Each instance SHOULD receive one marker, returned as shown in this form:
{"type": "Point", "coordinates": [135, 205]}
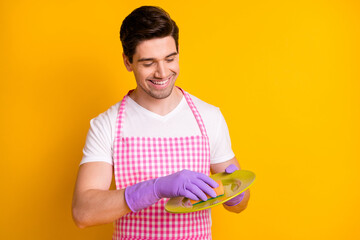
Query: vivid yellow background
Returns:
{"type": "Point", "coordinates": [284, 73]}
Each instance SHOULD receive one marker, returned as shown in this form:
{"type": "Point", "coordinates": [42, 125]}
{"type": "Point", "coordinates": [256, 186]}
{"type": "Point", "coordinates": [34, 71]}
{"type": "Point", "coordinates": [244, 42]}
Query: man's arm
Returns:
{"type": "Point", "coordinates": [220, 167]}
{"type": "Point", "coordinates": [93, 202]}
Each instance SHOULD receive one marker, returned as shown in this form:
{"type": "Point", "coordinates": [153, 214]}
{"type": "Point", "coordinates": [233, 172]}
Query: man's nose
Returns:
{"type": "Point", "coordinates": [160, 70]}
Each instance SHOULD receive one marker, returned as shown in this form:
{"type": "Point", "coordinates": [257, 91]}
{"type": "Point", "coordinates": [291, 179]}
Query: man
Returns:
{"type": "Point", "coordinates": [159, 142]}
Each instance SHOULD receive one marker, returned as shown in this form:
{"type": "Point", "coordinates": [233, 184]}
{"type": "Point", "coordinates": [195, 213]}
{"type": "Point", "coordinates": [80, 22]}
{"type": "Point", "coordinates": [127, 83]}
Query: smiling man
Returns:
{"type": "Point", "coordinates": [159, 142]}
{"type": "Point", "coordinates": [155, 65]}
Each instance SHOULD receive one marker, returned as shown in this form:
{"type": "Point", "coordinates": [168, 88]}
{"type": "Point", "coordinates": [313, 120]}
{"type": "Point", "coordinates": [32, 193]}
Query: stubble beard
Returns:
{"type": "Point", "coordinates": [159, 94]}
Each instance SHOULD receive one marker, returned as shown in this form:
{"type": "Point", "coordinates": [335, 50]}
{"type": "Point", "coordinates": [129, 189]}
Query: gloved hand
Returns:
{"type": "Point", "coordinates": [236, 200]}
{"type": "Point", "coordinates": [184, 183]}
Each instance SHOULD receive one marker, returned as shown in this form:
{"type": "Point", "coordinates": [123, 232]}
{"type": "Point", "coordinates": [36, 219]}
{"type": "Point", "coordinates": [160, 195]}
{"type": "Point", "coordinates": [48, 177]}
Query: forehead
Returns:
{"type": "Point", "coordinates": [155, 48]}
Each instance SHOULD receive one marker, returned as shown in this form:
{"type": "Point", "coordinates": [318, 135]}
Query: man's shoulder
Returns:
{"type": "Point", "coordinates": [203, 106]}
{"type": "Point", "coordinates": [109, 115]}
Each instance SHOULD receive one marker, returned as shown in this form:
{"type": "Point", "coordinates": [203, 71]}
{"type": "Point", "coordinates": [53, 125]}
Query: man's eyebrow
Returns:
{"type": "Point", "coordinates": [172, 54]}
{"type": "Point", "coordinates": [151, 59]}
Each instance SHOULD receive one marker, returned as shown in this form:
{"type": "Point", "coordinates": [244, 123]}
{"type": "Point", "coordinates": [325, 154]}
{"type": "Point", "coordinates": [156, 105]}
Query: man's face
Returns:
{"type": "Point", "coordinates": [155, 66]}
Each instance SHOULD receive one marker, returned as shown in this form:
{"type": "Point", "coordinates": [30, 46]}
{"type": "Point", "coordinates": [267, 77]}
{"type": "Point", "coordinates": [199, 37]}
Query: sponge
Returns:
{"type": "Point", "coordinates": [219, 192]}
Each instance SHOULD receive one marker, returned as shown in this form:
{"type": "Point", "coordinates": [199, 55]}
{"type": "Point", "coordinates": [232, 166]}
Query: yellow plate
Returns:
{"type": "Point", "coordinates": [234, 184]}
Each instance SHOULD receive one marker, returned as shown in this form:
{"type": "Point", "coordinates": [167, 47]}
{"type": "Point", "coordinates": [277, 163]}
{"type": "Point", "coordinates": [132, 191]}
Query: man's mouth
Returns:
{"type": "Point", "coordinates": [161, 82]}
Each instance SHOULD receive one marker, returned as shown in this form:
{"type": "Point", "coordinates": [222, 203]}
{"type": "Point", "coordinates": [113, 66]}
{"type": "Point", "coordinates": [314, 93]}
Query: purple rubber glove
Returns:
{"type": "Point", "coordinates": [236, 200]}
{"type": "Point", "coordinates": [184, 183]}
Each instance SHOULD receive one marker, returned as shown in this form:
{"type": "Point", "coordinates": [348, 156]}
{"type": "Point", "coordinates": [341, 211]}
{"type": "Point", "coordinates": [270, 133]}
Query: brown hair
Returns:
{"type": "Point", "coordinates": [144, 23]}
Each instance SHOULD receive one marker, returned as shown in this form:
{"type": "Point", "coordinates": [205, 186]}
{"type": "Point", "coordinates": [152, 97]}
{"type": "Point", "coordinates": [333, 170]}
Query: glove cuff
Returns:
{"type": "Point", "coordinates": [141, 195]}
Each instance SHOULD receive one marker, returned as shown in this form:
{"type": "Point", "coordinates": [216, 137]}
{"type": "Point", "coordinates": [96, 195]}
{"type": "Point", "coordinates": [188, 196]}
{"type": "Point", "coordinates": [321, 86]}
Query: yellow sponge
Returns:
{"type": "Point", "coordinates": [219, 191]}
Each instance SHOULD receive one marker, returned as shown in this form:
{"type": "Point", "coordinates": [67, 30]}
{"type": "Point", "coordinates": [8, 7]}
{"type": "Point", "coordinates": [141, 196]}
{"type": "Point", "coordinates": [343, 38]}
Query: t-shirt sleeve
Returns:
{"type": "Point", "coordinates": [98, 145]}
{"type": "Point", "coordinates": [221, 150]}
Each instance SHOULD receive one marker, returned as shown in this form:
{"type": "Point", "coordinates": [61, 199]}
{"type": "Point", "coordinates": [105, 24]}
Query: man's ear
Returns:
{"type": "Point", "coordinates": [127, 63]}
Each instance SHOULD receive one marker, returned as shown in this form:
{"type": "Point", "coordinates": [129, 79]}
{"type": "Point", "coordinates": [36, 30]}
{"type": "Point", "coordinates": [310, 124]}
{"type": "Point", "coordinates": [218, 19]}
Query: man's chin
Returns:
{"type": "Point", "coordinates": [162, 94]}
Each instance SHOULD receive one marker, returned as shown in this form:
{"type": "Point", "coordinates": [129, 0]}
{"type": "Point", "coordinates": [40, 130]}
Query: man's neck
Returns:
{"type": "Point", "coordinates": [158, 106]}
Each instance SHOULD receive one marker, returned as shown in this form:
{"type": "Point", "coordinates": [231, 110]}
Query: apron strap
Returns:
{"type": "Point", "coordinates": [120, 117]}
{"type": "Point", "coordinates": [195, 112]}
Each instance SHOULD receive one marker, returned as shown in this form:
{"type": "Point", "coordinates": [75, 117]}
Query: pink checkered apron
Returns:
{"type": "Point", "coordinates": [138, 159]}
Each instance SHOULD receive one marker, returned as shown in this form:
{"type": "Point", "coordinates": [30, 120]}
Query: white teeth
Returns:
{"type": "Point", "coordinates": [160, 83]}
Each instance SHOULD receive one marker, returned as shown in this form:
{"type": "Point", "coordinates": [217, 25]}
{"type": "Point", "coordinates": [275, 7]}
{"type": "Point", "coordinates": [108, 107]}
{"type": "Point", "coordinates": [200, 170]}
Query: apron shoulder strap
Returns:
{"type": "Point", "coordinates": [195, 112]}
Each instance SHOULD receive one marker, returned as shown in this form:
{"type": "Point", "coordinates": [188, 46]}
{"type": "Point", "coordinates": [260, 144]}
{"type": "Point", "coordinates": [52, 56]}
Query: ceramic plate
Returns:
{"type": "Point", "coordinates": [234, 184]}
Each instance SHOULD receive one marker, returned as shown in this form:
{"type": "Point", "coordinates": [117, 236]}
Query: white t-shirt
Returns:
{"type": "Point", "coordinates": [139, 121]}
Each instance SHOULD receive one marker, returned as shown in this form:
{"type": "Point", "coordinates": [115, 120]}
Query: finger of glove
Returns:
{"type": "Point", "coordinates": [190, 195]}
{"type": "Point", "coordinates": [204, 187]}
{"type": "Point", "coordinates": [209, 181]}
{"type": "Point", "coordinates": [196, 191]}
{"type": "Point", "coordinates": [231, 168]}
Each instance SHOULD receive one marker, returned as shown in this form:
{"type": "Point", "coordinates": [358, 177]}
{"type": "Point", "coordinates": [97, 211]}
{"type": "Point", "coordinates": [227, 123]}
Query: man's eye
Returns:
{"type": "Point", "coordinates": [147, 64]}
{"type": "Point", "coordinates": [170, 59]}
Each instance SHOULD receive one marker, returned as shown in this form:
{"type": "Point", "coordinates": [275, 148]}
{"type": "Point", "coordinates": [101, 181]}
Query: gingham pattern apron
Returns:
{"type": "Point", "coordinates": [138, 159]}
